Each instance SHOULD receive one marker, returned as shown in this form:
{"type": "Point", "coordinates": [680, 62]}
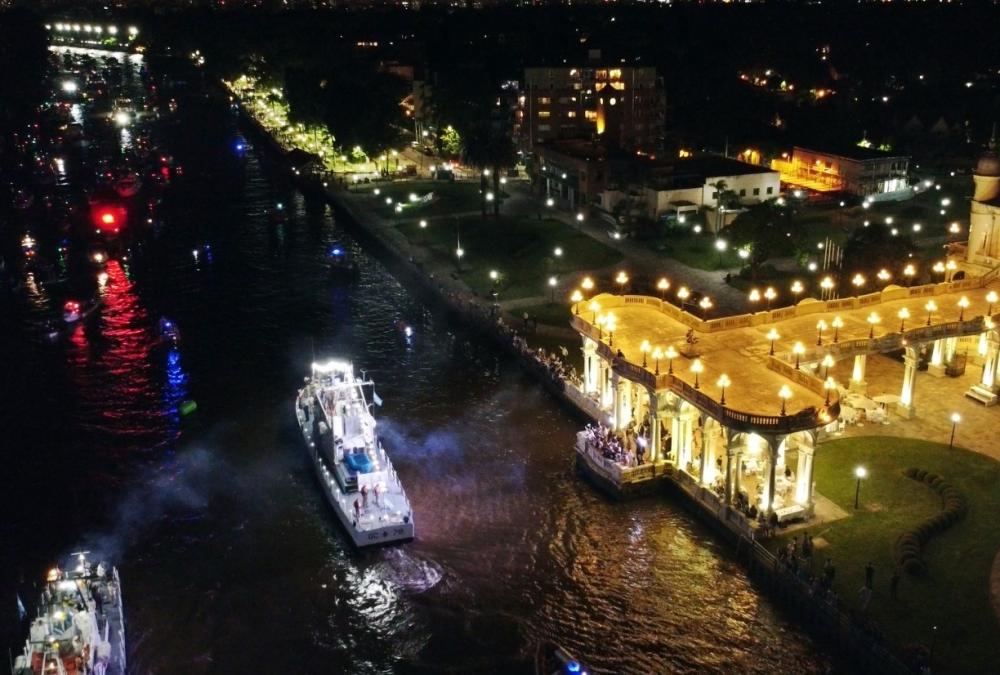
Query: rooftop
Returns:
{"type": "Point", "coordinates": [847, 151]}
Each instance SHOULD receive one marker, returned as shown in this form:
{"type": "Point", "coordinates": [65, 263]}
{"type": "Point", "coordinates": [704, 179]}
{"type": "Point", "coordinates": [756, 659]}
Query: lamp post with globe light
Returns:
{"type": "Point", "coordinates": [645, 348]}
{"type": "Point", "coordinates": [657, 355]}
{"type": "Point", "coordinates": [576, 299]}
{"type": "Point", "coordinates": [697, 368]}
{"type": "Point", "coordinates": [773, 335]}
{"type": "Point", "coordinates": [963, 302]}
{"type": "Point", "coordinates": [859, 473]}
{"type": "Point", "coordinates": [784, 394]}
{"type": "Point", "coordinates": [670, 355]}
{"type": "Point", "coordinates": [873, 320]}
{"type": "Point", "coordinates": [837, 324]}
{"type": "Point", "coordinates": [663, 285]}
{"type": "Point", "coordinates": [955, 419]}
{"type": "Point", "coordinates": [798, 349]}
{"type": "Point", "coordinates": [722, 383]}
{"type": "Point", "coordinates": [903, 315]}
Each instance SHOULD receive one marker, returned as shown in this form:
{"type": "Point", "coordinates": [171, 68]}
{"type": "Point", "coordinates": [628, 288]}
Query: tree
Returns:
{"type": "Point", "coordinates": [765, 230]}
{"type": "Point", "coordinates": [489, 146]}
{"type": "Point", "coordinates": [724, 198]}
{"type": "Point", "coordinates": [449, 142]}
{"type": "Point", "coordinates": [874, 247]}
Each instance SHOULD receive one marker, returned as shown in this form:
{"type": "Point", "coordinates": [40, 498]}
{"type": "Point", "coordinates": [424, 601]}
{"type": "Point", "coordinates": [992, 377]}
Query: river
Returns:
{"type": "Point", "coordinates": [231, 559]}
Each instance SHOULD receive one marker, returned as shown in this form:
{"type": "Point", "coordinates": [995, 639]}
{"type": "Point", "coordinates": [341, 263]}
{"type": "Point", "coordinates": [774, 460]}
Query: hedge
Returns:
{"type": "Point", "coordinates": [910, 543]}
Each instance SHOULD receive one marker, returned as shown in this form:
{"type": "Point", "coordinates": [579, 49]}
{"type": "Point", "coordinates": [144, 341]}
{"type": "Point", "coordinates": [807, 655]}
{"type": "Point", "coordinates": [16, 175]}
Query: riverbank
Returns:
{"type": "Point", "coordinates": [853, 642]}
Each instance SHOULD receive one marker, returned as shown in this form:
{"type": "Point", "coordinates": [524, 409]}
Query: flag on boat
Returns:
{"type": "Point", "coordinates": [376, 399]}
{"type": "Point", "coordinates": [21, 611]}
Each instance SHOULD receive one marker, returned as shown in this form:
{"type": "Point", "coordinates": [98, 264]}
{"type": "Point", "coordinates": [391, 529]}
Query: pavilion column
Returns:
{"type": "Point", "coordinates": [591, 366]}
{"type": "Point", "coordinates": [616, 392]}
{"type": "Point", "coordinates": [858, 383]}
{"type": "Point", "coordinates": [989, 377]}
{"type": "Point", "coordinates": [676, 440]}
{"type": "Point", "coordinates": [804, 476]}
{"type": "Point", "coordinates": [772, 461]}
{"type": "Point", "coordinates": [709, 448]}
{"type": "Point", "coordinates": [654, 428]}
{"type": "Point", "coordinates": [732, 471]}
{"type": "Point", "coordinates": [936, 367]}
{"type": "Point", "coordinates": [906, 407]}
{"type": "Point", "coordinates": [985, 391]}
{"type": "Point", "coordinates": [607, 392]}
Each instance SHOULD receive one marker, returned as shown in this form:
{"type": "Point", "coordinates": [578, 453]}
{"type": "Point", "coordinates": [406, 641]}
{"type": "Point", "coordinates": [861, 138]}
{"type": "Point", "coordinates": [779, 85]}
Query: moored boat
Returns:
{"type": "Point", "coordinates": [551, 659]}
{"type": "Point", "coordinates": [79, 628]}
{"type": "Point", "coordinates": [353, 469]}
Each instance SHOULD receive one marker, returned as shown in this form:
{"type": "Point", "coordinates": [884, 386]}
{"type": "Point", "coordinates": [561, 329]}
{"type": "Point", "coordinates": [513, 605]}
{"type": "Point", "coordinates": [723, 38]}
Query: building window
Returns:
{"type": "Point", "coordinates": [544, 114]}
{"type": "Point", "coordinates": [615, 73]}
{"type": "Point", "coordinates": [756, 191]}
{"type": "Point", "coordinates": [590, 114]}
{"type": "Point", "coordinates": [770, 190]}
{"type": "Point", "coordinates": [715, 195]}
{"type": "Point", "coordinates": [543, 127]}
{"type": "Point", "coordinates": [570, 113]}
{"type": "Point", "coordinates": [743, 193]}
{"type": "Point", "coordinates": [544, 100]}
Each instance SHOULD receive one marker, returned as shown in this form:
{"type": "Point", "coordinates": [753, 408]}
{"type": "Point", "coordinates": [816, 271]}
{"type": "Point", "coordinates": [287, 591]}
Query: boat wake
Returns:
{"type": "Point", "coordinates": [408, 571]}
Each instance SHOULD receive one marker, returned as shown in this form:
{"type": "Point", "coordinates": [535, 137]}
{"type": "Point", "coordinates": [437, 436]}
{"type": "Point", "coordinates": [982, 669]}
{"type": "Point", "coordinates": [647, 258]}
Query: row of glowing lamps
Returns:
{"type": "Point", "coordinates": [89, 28]}
{"type": "Point", "coordinates": [608, 322]}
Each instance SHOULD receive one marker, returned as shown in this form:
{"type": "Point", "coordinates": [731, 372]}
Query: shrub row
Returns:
{"type": "Point", "coordinates": [910, 543]}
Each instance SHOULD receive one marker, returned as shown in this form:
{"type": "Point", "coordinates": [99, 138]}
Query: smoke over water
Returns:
{"type": "Point", "coordinates": [182, 488]}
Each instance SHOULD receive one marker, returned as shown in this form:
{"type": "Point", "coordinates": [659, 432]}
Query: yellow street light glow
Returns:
{"type": "Point", "coordinates": [587, 284]}
{"type": "Point", "coordinates": [829, 385]}
{"type": "Point", "coordinates": [963, 302]}
{"type": "Point", "coordinates": [837, 324]}
{"type": "Point", "coordinates": [645, 348]}
{"type": "Point", "coordinates": [722, 383]}
{"type": "Point", "coordinates": [858, 280]}
{"type": "Point", "coordinates": [657, 355]}
{"type": "Point", "coordinates": [873, 320]}
{"type": "Point", "coordinates": [754, 295]}
{"type": "Point", "coordinates": [784, 394]}
{"type": "Point", "coordinates": [826, 283]}
{"type": "Point", "coordinates": [939, 267]}
{"type": "Point", "coordinates": [798, 349]}
{"type": "Point", "coordinates": [820, 327]}
{"type": "Point", "coordinates": [663, 284]}
{"type": "Point", "coordinates": [991, 298]}
{"type": "Point", "coordinates": [931, 307]}
{"type": "Point", "coordinates": [683, 293]}
{"type": "Point", "coordinates": [860, 472]}
{"type": "Point", "coordinates": [594, 307]}
{"type": "Point", "coordinates": [697, 368]}
{"type": "Point", "coordinates": [884, 275]}
{"type": "Point", "coordinates": [773, 335]}
{"type": "Point", "coordinates": [903, 315]}
{"type": "Point", "coordinates": [797, 287]}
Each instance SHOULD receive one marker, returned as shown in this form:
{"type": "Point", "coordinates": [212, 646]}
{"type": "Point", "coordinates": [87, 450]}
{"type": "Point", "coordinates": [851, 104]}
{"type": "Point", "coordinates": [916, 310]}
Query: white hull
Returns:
{"type": "Point", "coordinates": [376, 525]}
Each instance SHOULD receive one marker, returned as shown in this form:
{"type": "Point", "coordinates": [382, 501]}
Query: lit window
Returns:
{"type": "Point", "coordinates": [571, 113]}
{"type": "Point", "coordinates": [590, 114]}
{"type": "Point", "coordinates": [615, 73]}
{"type": "Point", "coordinates": [620, 86]}
{"type": "Point", "coordinates": [544, 100]}
{"type": "Point", "coordinates": [544, 114]}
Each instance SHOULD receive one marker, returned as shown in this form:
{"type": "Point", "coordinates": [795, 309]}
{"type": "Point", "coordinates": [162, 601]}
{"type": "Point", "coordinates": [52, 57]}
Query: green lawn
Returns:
{"type": "Point", "coordinates": [698, 250]}
{"type": "Point", "coordinates": [449, 197]}
{"type": "Point", "coordinates": [954, 595]}
{"type": "Point", "coordinates": [520, 249]}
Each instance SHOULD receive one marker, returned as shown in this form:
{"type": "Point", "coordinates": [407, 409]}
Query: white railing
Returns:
{"type": "Point", "coordinates": [610, 469]}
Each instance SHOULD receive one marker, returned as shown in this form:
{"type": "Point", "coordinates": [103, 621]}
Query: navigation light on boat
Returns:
{"type": "Point", "coordinates": [573, 667]}
{"type": "Point", "coordinates": [281, 206]}
{"type": "Point", "coordinates": [408, 331]}
{"type": "Point", "coordinates": [336, 251]}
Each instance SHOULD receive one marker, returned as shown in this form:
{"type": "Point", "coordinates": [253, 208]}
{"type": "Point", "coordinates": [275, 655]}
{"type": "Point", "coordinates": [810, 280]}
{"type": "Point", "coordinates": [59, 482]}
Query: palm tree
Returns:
{"type": "Point", "coordinates": [488, 146]}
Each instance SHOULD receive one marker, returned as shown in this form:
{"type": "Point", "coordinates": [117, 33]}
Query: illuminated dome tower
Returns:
{"type": "Point", "coordinates": [983, 250]}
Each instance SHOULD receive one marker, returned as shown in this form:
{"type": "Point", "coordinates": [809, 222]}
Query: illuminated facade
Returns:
{"type": "Point", "coordinates": [623, 105]}
{"type": "Point", "coordinates": [859, 171]}
{"type": "Point", "coordinates": [982, 253]}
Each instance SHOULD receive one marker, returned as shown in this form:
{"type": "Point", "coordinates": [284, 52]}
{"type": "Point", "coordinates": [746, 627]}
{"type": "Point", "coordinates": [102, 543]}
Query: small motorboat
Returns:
{"type": "Point", "coordinates": [169, 330]}
{"type": "Point", "coordinates": [551, 659]}
{"type": "Point", "coordinates": [128, 186]}
{"type": "Point", "coordinates": [73, 311]}
{"type": "Point", "coordinates": [23, 200]}
{"type": "Point", "coordinates": [342, 267]}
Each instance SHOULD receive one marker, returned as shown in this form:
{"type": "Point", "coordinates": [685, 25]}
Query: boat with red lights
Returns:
{"type": "Point", "coordinates": [357, 477]}
{"type": "Point", "coordinates": [79, 627]}
{"type": "Point", "coordinates": [74, 311]}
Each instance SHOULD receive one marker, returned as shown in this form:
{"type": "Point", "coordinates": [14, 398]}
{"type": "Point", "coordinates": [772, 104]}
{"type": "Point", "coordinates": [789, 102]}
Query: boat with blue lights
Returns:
{"type": "Point", "coordinates": [79, 627]}
{"type": "Point", "coordinates": [551, 659]}
{"type": "Point", "coordinates": [336, 419]}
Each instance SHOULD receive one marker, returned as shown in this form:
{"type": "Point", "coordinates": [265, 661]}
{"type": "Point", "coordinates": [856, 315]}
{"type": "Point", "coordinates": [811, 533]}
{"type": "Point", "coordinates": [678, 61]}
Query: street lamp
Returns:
{"type": "Point", "coordinates": [798, 349]}
{"type": "Point", "coordinates": [553, 282]}
{"type": "Point", "coordinates": [663, 286]}
{"type": "Point", "coordinates": [963, 302]}
{"type": "Point", "coordinates": [754, 296]}
{"type": "Point", "coordinates": [705, 304]}
{"type": "Point", "coordinates": [827, 363]}
{"type": "Point", "coordinates": [903, 315]}
{"type": "Point", "coordinates": [837, 324]}
{"type": "Point", "coordinates": [909, 272]}
{"type": "Point", "coordinates": [645, 348]}
{"type": "Point", "coordinates": [820, 327]}
{"type": "Point", "coordinates": [873, 320]}
{"type": "Point", "coordinates": [576, 299]}
{"type": "Point", "coordinates": [697, 369]}
{"type": "Point", "coordinates": [827, 285]}
{"type": "Point", "coordinates": [683, 293]}
{"type": "Point", "coordinates": [797, 288]}
{"type": "Point", "coordinates": [550, 202]}
{"type": "Point", "coordinates": [671, 354]}
{"type": "Point", "coordinates": [784, 394]}
{"type": "Point", "coordinates": [621, 280]}
{"type": "Point", "coordinates": [579, 217]}
{"type": "Point", "coordinates": [931, 307]}
{"type": "Point", "coordinates": [829, 385]}
{"type": "Point", "coordinates": [594, 307]}
{"type": "Point", "coordinates": [773, 335]}
{"type": "Point", "coordinates": [587, 285]}
{"type": "Point", "coordinates": [769, 295]}
{"type": "Point", "coordinates": [859, 472]}
{"type": "Point", "coordinates": [720, 246]}
{"type": "Point", "coordinates": [991, 298]}
{"type": "Point", "coordinates": [657, 355]}
{"type": "Point", "coordinates": [611, 323]}
{"type": "Point", "coordinates": [858, 281]}
{"type": "Point", "coordinates": [884, 275]}
{"type": "Point", "coordinates": [955, 419]}
{"type": "Point", "coordinates": [723, 382]}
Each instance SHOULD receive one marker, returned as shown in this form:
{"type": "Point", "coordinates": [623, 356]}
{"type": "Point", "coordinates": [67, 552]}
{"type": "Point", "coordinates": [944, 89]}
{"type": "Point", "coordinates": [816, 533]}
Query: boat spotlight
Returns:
{"type": "Point", "coordinates": [122, 118]}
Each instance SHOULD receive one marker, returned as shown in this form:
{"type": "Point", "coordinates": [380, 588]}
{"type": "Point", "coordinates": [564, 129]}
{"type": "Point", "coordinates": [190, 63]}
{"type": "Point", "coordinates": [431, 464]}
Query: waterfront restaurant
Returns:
{"type": "Point", "coordinates": [735, 408]}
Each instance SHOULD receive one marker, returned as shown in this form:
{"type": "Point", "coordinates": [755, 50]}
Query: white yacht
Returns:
{"type": "Point", "coordinates": [339, 428]}
{"type": "Point", "coordinates": [80, 626]}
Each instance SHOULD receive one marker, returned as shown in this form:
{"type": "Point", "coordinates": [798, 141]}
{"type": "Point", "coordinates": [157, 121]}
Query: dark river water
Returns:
{"type": "Point", "coordinates": [231, 559]}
